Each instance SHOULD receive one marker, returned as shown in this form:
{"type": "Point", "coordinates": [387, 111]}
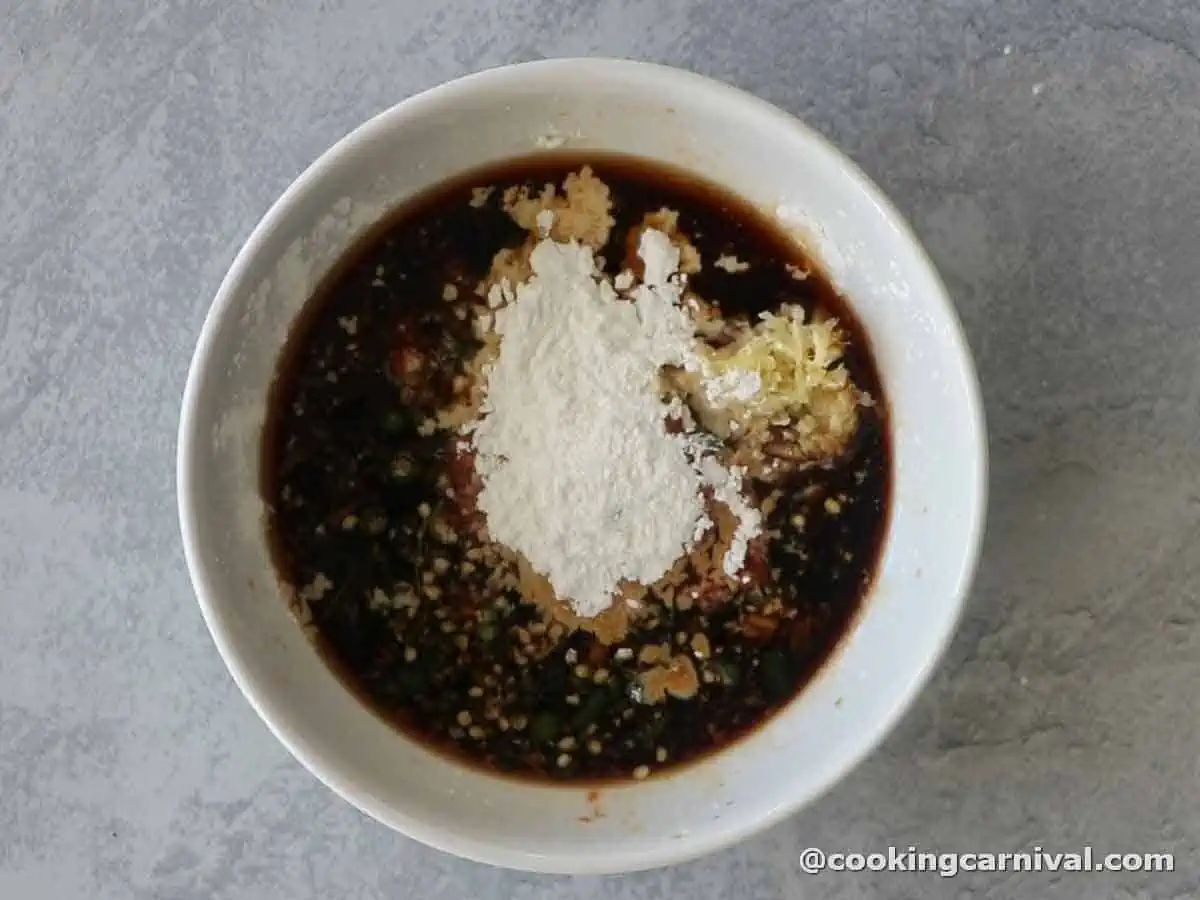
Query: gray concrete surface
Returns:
{"type": "Point", "coordinates": [1047, 152]}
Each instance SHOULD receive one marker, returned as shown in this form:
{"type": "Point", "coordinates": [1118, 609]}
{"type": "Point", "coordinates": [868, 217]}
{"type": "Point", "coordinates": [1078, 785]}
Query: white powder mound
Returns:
{"type": "Point", "coordinates": [727, 489]}
{"type": "Point", "coordinates": [579, 473]}
{"type": "Point", "coordinates": [736, 385]}
{"type": "Point", "coordinates": [659, 256]}
{"type": "Point", "coordinates": [657, 300]}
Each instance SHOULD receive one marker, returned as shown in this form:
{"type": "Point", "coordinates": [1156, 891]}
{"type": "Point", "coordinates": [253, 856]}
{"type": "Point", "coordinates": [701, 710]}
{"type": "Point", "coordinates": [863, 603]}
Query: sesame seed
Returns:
{"type": "Point", "coordinates": [349, 522]}
{"type": "Point", "coordinates": [441, 565]}
{"type": "Point", "coordinates": [567, 743]}
{"type": "Point", "coordinates": [582, 671]}
{"type": "Point", "coordinates": [624, 653]}
{"type": "Point", "coordinates": [476, 732]}
{"type": "Point", "coordinates": [661, 754]}
{"type": "Point", "coordinates": [594, 747]}
{"type": "Point", "coordinates": [641, 773]}
{"type": "Point", "coordinates": [464, 718]}
{"type": "Point", "coordinates": [571, 656]}
{"type": "Point", "coordinates": [476, 691]}
{"type": "Point", "coordinates": [461, 642]}
{"type": "Point", "coordinates": [424, 510]}
{"type": "Point", "coordinates": [832, 506]}
{"type": "Point", "coordinates": [573, 699]}
{"type": "Point", "coordinates": [564, 760]}
{"type": "Point", "coordinates": [601, 676]}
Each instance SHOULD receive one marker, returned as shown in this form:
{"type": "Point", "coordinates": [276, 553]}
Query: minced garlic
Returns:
{"type": "Point", "coordinates": [582, 212]}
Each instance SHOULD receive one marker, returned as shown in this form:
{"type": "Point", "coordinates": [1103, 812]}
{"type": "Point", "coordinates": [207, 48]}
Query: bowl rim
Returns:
{"type": "Point", "coordinates": [359, 795]}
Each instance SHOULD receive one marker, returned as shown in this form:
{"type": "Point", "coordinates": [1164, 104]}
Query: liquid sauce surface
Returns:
{"type": "Point", "coordinates": [364, 503]}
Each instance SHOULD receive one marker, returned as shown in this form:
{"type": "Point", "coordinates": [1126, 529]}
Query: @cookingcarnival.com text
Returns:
{"type": "Point", "coordinates": [814, 861]}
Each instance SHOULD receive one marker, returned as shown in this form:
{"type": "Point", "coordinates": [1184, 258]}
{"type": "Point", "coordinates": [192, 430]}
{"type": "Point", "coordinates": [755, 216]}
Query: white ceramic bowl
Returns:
{"type": "Point", "coordinates": [939, 455]}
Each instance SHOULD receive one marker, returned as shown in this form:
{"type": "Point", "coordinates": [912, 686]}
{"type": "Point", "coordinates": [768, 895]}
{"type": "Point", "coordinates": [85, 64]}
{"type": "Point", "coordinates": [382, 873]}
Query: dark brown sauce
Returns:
{"type": "Point", "coordinates": [337, 424]}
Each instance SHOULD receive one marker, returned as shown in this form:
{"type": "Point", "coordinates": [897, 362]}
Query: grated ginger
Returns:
{"type": "Point", "coordinates": [786, 369]}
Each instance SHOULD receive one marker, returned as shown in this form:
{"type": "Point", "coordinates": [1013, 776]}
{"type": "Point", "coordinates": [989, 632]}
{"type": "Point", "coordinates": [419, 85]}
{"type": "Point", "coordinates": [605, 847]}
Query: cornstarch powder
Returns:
{"type": "Point", "coordinates": [579, 473]}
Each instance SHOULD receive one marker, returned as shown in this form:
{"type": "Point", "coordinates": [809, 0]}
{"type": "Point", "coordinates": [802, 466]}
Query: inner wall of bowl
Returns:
{"type": "Point", "coordinates": [766, 158]}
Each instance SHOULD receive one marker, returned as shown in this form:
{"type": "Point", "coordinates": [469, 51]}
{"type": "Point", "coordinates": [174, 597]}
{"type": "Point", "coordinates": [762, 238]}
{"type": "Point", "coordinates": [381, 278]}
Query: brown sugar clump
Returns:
{"type": "Point", "coordinates": [677, 677]}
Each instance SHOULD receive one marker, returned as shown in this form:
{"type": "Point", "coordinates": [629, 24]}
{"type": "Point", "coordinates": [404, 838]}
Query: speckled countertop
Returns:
{"type": "Point", "coordinates": [1047, 153]}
